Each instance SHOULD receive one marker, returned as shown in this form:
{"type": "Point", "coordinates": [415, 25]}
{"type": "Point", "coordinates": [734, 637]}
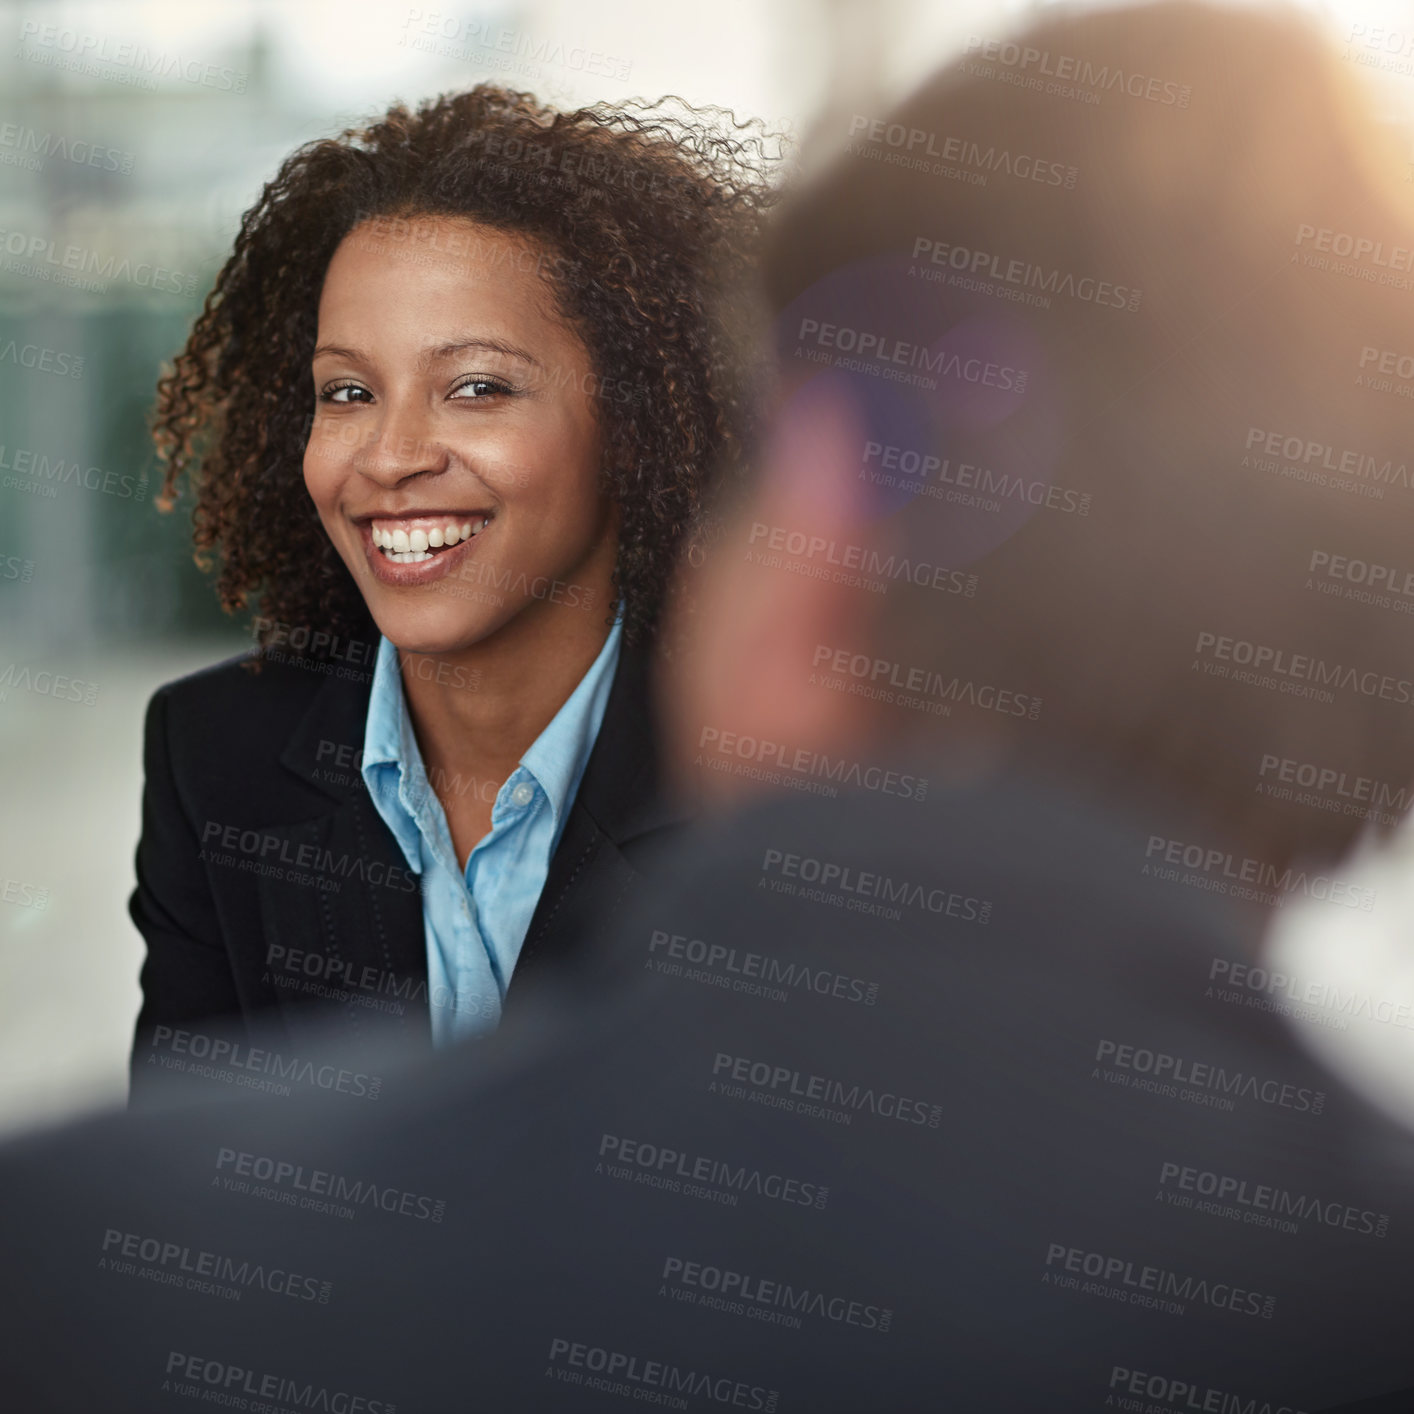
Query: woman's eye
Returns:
{"type": "Point", "coordinates": [334, 393]}
{"type": "Point", "coordinates": [475, 388]}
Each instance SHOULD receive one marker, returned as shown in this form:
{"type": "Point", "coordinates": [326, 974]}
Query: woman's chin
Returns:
{"type": "Point", "coordinates": [416, 634]}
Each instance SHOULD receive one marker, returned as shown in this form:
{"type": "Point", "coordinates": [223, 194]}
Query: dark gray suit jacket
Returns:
{"type": "Point", "coordinates": [861, 1109]}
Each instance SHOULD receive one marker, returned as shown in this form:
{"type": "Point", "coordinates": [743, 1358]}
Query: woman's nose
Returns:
{"type": "Point", "coordinates": [401, 444]}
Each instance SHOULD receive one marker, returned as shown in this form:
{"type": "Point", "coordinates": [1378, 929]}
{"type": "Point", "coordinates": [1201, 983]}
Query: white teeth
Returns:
{"type": "Point", "coordinates": [406, 547]}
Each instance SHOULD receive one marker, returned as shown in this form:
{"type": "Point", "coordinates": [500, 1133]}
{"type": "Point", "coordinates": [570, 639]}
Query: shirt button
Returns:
{"type": "Point", "coordinates": [522, 794]}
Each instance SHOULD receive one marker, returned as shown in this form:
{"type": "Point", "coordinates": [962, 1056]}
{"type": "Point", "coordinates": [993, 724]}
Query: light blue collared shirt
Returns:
{"type": "Point", "coordinates": [475, 920]}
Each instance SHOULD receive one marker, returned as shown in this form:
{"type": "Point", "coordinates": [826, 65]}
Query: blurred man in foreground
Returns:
{"type": "Point", "coordinates": [940, 1079]}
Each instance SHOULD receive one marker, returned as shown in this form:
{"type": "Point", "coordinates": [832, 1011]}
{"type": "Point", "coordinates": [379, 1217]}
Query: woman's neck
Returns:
{"type": "Point", "coordinates": [477, 711]}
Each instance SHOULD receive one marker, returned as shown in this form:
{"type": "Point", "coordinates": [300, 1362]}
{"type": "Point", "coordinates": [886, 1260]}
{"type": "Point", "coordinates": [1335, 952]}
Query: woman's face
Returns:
{"type": "Point", "coordinates": [454, 455]}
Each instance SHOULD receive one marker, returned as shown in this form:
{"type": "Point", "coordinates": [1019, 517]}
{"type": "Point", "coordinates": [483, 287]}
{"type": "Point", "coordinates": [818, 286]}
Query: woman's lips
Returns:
{"type": "Point", "coordinates": [412, 550]}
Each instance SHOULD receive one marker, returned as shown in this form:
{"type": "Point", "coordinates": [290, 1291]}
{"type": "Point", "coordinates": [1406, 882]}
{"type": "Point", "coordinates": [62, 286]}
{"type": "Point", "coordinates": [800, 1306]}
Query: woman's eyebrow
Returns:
{"type": "Point", "coordinates": [461, 345]}
{"type": "Point", "coordinates": [435, 355]}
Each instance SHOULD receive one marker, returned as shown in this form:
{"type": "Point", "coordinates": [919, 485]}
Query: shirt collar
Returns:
{"type": "Point", "coordinates": [392, 763]}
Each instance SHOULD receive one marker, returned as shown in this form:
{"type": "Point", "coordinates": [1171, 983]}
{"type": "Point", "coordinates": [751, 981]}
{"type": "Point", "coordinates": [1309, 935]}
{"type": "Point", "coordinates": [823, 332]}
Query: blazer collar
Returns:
{"type": "Point", "coordinates": [624, 785]}
{"type": "Point", "coordinates": [324, 749]}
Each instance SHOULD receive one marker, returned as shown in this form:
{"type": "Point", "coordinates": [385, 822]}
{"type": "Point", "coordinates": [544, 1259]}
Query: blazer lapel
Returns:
{"type": "Point", "coordinates": [341, 912]}
{"type": "Point", "coordinates": [621, 804]}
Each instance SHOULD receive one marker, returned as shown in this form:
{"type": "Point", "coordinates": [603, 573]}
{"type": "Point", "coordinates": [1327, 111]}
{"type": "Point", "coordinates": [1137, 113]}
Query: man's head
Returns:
{"type": "Point", "coordinates": [1084, 446]}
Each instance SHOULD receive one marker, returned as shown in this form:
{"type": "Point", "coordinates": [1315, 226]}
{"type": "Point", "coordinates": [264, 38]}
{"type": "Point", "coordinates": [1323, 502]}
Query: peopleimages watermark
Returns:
{"type": "Point", "coordinates": [348, 763]}
{"type": "Point", "coordinates": [613, 1372]}
{"type": "Point", "coordinates": [219, 1058]}
{"type": "Point", "coordinates": [920, 689]}
{"type": "Point", "coordinates": [1038, 282]}
{"type": "Point", "coordinates": [1397, 42]}
{"type": "Point", "coordinates": [863, 890]}
{"type": "Point", "coordinates": [219, 1382]}
{"type": "Point", "coordinates": [327, 652]}
{"type": "Point", "coordinates": [326, 437]}
{"type": "Point", "coordinates": [441, 33]}
{"type": "Point", "coordinates": [1361, 581]}
{"type": "Point", "coordinates": [875, 352]}
{"type": "Point", "coordinates": [1328, 788]}
{"type": "Point", "coordinates": [701, 1176]}
{"type": "Point", "coordinates": [1155, 1287]}
{"type": "Point", "coordinates": [942, 479]}
{"type": "Point", "coordinates": [22, 894]}
{"type": "Point", "coordinates": [782, 1087]}
{"type": "Point", "coordinates": [379, 989]}
{"type": "Point", "coordinates": [918, 150]}
{"type": "Point", "coordinates": [1223, 872]}
{"type": "Point", "coordinates": [1270, 989]}
{"type": "Point", "coordinates": [1261, 1204]}
{"type": "Point", "coordinates": [39, 257]}
{"type": "Point", "coordinates": [801, 768]}
{"type": "Point", "coordinates": [1343, 243]}
{"type": "Point", "coordinates": [1183, 1394]}
{"type": "Point", "coordinates": [305, 863]}
{"type": "Point", "coordinates": [1257, 1001]}
{"type": "Point", "coordinates": [41, 359]}
{"type": "Point", "coordinates": [752, 972]}
{"type": "Point", "coordinates": [775, 1302]}
{"type": "Point", "coordinates": [875, 571]}
{"type": "Point", "coordinates": [1300, 674]}
{"type": "Point", "coordinates": [14, 567]}
{"type": "Point", "coordinates": [59, 687]}
{"type": "Point", "coordinates": [1359, 257]}
{"type": "Point", "coordinates": [321, 643]}
{"type": "Point", "coordinates": [58, 46]}
{"type": "Point", "coordinates": [175, 1264]}
{"type": "Point", "coordinates": [23, 146]}
{"type": "Point", "coordinates": [1067, 75]}
{"type": "Point", "coordinates": [318, 1190]}
{"type": "Point", "coordinates": [1322, 456]}
{"type": "Point", "coordinates": [1311, 463]}
{"type": "Point", "coordinates": [481, 582]}
{"type": "Point", "coordinates": [43, 474]}
{"type": "Point", "coordinates": [1388, 365]}
{"type": "Point", "coordinates": [1214, 1084]}
{"type": "Point", "coordinates": [320, 650]}
{"type": "Point", "coordinates": [438, 237]}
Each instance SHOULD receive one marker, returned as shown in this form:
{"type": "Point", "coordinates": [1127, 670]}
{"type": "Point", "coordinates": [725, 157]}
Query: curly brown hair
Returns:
{"type": "Point", "coordinates": [650, 214]}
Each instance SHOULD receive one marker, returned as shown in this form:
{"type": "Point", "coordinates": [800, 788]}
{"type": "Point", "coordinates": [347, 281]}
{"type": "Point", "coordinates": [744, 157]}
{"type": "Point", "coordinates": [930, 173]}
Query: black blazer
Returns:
{"type": "Point", "coordinates": [270, 891]}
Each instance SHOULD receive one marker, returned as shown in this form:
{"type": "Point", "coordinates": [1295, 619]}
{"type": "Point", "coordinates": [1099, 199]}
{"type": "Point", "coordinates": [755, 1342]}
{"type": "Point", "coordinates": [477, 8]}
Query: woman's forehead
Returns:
{"type": "Point", "coordinates": [486, 284]}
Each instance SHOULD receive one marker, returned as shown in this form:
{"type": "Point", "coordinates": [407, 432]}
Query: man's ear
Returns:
{"type": "Point", "coordinates": [774, 604]}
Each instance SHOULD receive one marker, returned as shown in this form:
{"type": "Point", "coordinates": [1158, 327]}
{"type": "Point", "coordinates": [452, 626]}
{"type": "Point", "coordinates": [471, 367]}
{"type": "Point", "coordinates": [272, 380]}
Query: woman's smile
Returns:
{"type": "Point", "coordinates": [415, 549]}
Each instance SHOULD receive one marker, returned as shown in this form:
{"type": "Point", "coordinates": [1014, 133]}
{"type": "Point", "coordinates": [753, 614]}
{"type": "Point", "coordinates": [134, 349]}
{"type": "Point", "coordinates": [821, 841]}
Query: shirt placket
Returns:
{"type": "Point", "coordinates": [465, 1000]}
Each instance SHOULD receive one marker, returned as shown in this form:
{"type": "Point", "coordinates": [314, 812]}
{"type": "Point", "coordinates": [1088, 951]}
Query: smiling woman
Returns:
{"type": "Point", "coordinates": [445, 447]}
{"type": "Point", "coordinates": [450, 414]}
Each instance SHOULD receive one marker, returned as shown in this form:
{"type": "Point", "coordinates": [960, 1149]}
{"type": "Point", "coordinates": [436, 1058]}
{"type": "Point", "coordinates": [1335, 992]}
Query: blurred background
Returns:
{"type": "Point", "coordinates": [137, 134]}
